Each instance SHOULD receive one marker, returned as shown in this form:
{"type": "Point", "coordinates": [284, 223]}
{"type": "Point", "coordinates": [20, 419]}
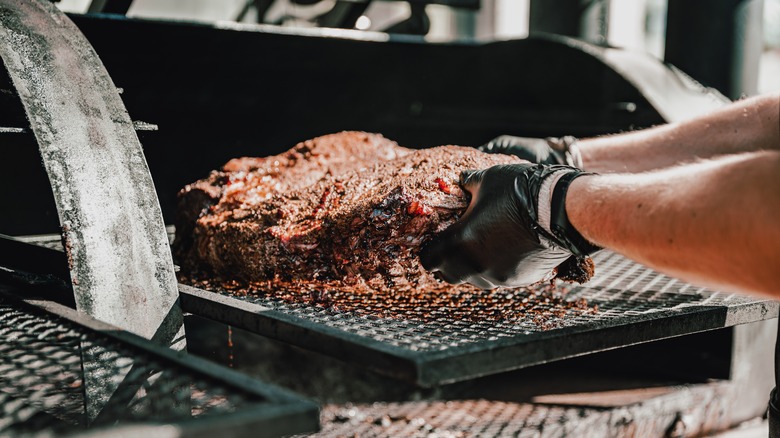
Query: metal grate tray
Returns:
{"type": "Point", "coordinates": [635, 305]}
{"type": "Point", "coordinates": [64, 373]}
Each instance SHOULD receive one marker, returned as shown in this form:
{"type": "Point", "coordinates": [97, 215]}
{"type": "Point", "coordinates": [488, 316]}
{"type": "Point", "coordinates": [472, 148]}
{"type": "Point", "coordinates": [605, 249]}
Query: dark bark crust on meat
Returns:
{"type": "Point", "coordinates": [576, 269]}
{"type": "Point", "coordinates": [251, 180]}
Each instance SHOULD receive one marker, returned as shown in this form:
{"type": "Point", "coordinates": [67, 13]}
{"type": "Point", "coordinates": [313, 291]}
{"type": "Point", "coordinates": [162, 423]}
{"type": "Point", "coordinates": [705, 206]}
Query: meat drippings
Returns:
{"type": "Point", "coordinates": [545, 305]}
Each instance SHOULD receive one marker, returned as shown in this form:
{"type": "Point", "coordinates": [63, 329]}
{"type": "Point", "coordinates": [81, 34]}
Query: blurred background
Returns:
{"type": "Point", "coordinates": [636, 25]}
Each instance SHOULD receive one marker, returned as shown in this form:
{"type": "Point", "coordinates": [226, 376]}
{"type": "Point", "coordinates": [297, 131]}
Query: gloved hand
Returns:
{"type": "Point", "coordinates": [515, 231]}
{"type": "Point", "coordinates": [550, 150]}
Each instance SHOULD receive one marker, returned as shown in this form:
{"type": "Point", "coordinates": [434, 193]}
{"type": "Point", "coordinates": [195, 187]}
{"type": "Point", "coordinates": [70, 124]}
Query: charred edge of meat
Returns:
{"type": "Point", "coordinates": [576, 269]}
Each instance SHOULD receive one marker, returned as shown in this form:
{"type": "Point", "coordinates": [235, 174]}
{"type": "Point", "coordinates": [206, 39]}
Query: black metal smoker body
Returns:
{"type": "Point", "coordinates": [221, 91]}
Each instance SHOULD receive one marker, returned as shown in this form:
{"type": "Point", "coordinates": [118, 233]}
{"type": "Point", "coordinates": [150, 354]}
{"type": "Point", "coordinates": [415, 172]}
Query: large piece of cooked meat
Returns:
{"type": "Point", "coordinates": [249, 181]}
{"type": "Point", "coordinates": [350, 207]}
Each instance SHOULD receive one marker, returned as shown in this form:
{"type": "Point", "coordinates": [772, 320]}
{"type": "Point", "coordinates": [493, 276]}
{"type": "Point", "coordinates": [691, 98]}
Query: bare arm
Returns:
{"type": "Point", "coordinates": [715, 223]}
{"type": "Point", "coordinates": [744, 126]}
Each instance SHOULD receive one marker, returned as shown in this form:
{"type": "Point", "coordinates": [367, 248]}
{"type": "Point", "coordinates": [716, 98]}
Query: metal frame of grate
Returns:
{"type": "Point", "coordinates": [635, 305]}
{"type": "Point", "coordinates": [62, 372]}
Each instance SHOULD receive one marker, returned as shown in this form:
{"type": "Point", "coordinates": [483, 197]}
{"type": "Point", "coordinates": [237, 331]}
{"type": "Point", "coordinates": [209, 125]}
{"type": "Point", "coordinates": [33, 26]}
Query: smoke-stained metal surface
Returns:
{"type": "Point", "coordinates": [118, 254]}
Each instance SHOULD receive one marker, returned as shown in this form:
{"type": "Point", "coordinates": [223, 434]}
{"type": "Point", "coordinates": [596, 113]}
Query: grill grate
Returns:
{"type": "Point", "coordinates": [461, 418]}
{"type": "Point", "coordinates": [635, 304]}
{"type": "Point", "coordinates": [705, 413]}
{"type": "Point", "coordinates": [51, 368]}
{"type": "Point", "coordinates": [622, 290]}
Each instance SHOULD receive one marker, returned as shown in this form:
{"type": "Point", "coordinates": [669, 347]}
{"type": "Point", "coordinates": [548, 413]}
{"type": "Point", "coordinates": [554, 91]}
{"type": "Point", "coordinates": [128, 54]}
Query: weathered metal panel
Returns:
{"type": "Point", "coordinates": [120, 262]}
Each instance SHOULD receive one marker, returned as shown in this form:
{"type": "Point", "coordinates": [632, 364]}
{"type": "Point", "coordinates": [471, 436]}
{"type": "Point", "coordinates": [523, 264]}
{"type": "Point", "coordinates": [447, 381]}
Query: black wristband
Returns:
{"type": "Point", "coordinates": [560, 226]}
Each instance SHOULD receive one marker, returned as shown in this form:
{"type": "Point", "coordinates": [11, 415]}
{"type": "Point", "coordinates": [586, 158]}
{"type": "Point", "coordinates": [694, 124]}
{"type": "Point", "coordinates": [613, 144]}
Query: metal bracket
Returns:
{"type": "Point", "coordinates": [118, 254]}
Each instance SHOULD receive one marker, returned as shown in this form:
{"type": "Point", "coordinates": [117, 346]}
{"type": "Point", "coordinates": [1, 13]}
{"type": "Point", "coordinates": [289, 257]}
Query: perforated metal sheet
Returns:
{"type": "Point", "coordinates": [51, 368]}
{"type": "Point", "coordinates": [634, 305]}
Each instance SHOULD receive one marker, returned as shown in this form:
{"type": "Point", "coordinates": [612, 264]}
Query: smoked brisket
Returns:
{"type": "Point", "coordinates": [353, 208]}
{"type": "Point", "coordinates": [250, 181]}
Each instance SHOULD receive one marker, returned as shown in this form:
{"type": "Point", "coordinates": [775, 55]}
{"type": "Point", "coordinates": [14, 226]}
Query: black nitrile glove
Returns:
{"type": "Point", "coordinates": [550, 150]}
{"type": "Point", "coordinates": [510, 235]}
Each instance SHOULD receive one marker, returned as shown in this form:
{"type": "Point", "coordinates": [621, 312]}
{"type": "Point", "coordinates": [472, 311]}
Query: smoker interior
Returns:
{"type": "Point", "coordinates": [54, 362]}
{"type": "Point", "coordinates": [213, 100]}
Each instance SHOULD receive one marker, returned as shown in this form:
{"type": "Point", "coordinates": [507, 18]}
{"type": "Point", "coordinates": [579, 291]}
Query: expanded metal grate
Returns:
{"type": "Point", "coordinates": [431, 344]}
{"type": "Point", "coordinates": [459, 418]}
{"type": "Point", "coordinates": [622, 291]}
{"type": "Point", "coordinates": [479, 417]}
{"type": "Point", "coordinates": [58, 376]}
{"type": "Point", "coordinates": [632, 303]}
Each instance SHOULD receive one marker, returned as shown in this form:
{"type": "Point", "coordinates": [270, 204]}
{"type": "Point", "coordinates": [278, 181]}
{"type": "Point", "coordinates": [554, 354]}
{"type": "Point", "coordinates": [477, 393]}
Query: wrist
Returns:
{"type": "Point", "coordinates": [552, 215]}
{"type": "Point", "coordinates": [544, 200]}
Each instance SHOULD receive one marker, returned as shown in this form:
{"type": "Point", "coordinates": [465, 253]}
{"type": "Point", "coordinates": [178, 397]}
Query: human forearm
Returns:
{"type": "Point", "coordinates": [712, 223]}
{"type": "Point", "coordinates": [744, 126]}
